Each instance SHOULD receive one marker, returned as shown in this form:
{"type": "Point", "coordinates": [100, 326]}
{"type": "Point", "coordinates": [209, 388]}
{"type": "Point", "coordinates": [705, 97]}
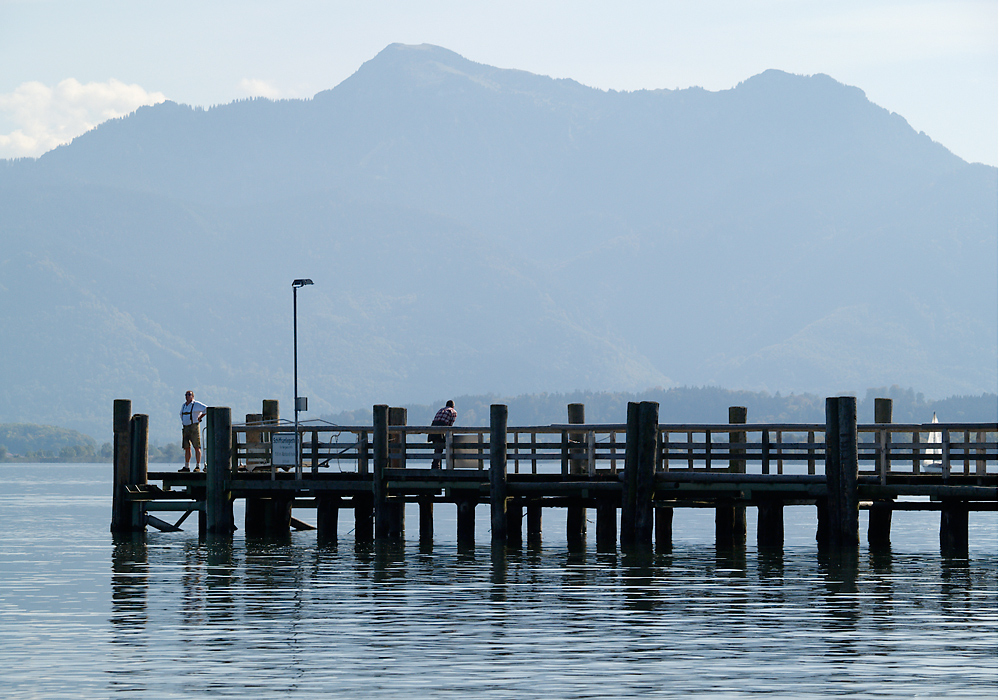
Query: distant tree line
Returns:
{"type": "Point", "coordinates": [26, 442]}
{"type": "Point", "coordinates": [693, 405]}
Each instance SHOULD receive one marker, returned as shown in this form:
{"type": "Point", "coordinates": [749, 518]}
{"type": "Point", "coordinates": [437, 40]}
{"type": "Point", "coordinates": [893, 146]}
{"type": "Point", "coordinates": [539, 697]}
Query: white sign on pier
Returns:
{"type": "Point", "coordinates": [283, 449]}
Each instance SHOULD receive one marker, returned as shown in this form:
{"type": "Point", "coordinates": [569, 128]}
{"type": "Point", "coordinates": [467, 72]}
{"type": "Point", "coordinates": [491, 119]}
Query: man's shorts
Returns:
{"type": "Point", "coordinates": [191, 435]}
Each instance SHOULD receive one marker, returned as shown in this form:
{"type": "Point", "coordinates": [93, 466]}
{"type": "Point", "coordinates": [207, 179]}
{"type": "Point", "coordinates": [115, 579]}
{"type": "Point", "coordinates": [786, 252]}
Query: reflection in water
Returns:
{"type": "Point", "coordinates": [129, 605]}
{"type": "Point", "coordinates": [164, 615]}
{"type": "Point", "coordinates": [390, 618]}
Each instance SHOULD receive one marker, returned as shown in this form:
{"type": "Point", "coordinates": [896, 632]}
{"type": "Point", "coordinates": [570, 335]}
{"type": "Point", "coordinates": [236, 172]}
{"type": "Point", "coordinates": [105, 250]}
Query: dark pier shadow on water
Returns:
{"type": "Point", "coordinates": [637, 569]}
{"type": "Point", "coordinates": [129, 587]}
{"type": "Point", "coordinates": [129, 617]}
{"type": "Point", "coordinates": [731, 561]}
{"type": "Point", "coordinates": [220, 576]}
{"type": "Point", "coordinates": [389, 561]}
{"type": "Point", "coordinates": [838, 569]}
{"type": "Point", "coordinates": [771, 563]}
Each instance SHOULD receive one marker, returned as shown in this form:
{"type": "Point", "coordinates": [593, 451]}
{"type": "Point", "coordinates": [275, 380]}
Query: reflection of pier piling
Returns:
{"type": "Point", "coordinates": [633, 474]}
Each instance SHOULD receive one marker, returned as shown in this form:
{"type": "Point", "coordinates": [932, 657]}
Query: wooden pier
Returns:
{"type": "Point", "coordinates": [633, 474]}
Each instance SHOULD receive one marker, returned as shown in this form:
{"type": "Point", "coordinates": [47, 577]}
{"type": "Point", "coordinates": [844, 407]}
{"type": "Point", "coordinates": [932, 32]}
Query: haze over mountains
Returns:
{"type": "Point", "coordinates": [471, 230]}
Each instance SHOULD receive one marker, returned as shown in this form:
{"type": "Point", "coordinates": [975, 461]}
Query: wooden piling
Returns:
{"type": "Point", "coordinates": [138, 465]}
{"type": "Point", "coordinates": [327, 515]}
{"type": "Point", "coordinates": [380, 462]}
{"type": "Point", "coordinates": [364, 518]}
{"type": "Point", "coordinates": [880, 513]}
{"type": "Point", "coordinates": [218, 463]}
{"type": "Point", "coordinates": [498, 474]}
{"type": "Point", "coordinates": [664, 524]}
{"type": "Point", "coordinates": [466, 521]}
{"type": "Point", "coordinates": [607, 524]}
{"type": "Point", "coordinates": [533, 514]}
{"type": "Point", "coordinates": [731, 518]}
{"type": "Point", "coordinates": [630, 484]}
{"type": "Point", "coordinates": [838, 517]}
{"type": "Point", "coordinates": [397, 511]}
{"type": "Point", "coordinates": [576, 515]}
{"type": "Point", "coordinates": [426, 520]}
{"type": "Point", "coordinates": [955, 529]}
{"type": "Point", "coordinates": [261, 515]}
{"type": "Point", "coordinates": [121, 507]}
{"type": "Point", "coordinates": [770, 523]}
{"type": "Point", "coordinates": [515, 514]}
{"type": "Point", "coordinates": [649, 412]}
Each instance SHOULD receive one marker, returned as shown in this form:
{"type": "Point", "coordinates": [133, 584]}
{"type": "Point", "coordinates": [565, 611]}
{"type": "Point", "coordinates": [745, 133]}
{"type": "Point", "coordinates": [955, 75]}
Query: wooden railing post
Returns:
{"type": "Point", "coordinates": [498, 473]}
{"type": "Point", "coordinates": [121, 507]}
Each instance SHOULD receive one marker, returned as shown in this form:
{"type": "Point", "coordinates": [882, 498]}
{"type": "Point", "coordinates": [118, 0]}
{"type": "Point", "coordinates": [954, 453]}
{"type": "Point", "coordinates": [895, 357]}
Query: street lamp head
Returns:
{"type": "Point", "coordinates": [301, 283]}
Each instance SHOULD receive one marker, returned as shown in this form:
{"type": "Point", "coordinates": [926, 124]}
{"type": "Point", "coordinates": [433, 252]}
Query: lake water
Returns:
{"type": "Point", "coordinates": [166, 616]}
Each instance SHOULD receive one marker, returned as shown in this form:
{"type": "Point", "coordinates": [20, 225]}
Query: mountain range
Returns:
{"type": "Point", "coordinates": [476, 230]}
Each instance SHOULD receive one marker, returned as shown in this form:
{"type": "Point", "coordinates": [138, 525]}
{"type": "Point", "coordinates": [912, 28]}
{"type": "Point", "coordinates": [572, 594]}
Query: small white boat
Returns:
{"type": "Point", "coordinates": [932, 466]}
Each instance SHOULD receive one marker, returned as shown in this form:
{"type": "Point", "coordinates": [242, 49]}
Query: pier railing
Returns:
{"type": "Point", "coordinates": [884, 450]}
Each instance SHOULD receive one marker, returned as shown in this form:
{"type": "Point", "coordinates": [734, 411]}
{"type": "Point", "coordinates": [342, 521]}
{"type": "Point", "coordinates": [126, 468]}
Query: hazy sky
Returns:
{"type": "Point", "coordinates": [67, 65]}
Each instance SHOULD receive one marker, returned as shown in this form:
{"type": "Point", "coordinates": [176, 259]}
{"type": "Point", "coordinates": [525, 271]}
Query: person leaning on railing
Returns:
{"type": "Point", "coordinates": [445, 417]}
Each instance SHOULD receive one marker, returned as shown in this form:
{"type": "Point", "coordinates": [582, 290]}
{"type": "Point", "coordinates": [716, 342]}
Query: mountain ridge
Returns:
{"type": "Point", "coordinates": [475, 229]}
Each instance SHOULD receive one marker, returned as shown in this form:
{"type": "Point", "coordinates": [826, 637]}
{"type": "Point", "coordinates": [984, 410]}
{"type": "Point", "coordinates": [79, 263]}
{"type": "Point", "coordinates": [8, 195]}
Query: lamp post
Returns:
{"type": "Point", "coordinates": [295, 354]}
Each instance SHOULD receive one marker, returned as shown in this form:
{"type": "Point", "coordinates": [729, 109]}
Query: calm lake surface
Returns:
{"type": "Point", "coordinates": [83, 615]}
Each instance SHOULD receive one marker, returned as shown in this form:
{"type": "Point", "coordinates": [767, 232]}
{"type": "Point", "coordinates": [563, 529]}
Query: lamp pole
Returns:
{"type": "Point", "coordinates": [296, 284]}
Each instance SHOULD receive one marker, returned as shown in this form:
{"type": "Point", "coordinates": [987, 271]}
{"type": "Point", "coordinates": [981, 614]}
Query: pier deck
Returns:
{"type": "Point", "coordinates": [639, 470]}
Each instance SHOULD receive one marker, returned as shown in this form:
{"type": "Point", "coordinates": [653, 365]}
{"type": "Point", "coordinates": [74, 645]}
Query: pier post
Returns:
{"type": "Point", "coordinates": [515, 514]}
{"type": "Point", "coordinates": [533, 514]}
{"type": "Point", "coordinates": [426, 520]}
{"type": "Point", "coordinates": [607, 524]}
{"type": "Point", "coordinates": [880, 513]}
{"type": "Point", "coordinates": [397, 508]}
{"type": "Point", "coordinates": [218, 462]}
{"type": "Point", "coordinates": [380, 462]}
{"type": "Point", "coordinates": [364, 503]}
{"type": "Point", "coordinates": [649, 412]}
{"type": "Point", "coordinates": [138, 464]}
{"type": "Point", "coordinates": [664, 524]}
{"type": "Point", "coordinates": [955, 529]}
{"type": "Point", "coordinates": [576, 515]}
{"type": "Point", "coordinates": [121, 507]}
{"type": "Point", "coordinates": [364, 518]}
{"type": "Point", "coordinates": [498, 473]}
{"type": "Point", "coordinates": [258, 520]}
{"type": "Point", "coordinates": [730, 518]}
{"type": "Point", "coordinates": [466, 521]}
{"type": "Point", "coordinates": [327, 515]}
{"type": "Point", "coordinates": [770, 523]}
{"type": "Point", "coordinates": [838, 512]}
{"type": "Point", "coordinates": [629, 486]}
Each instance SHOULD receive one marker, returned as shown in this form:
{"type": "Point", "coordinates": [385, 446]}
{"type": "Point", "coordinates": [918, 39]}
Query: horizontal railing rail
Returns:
{"type": "Point", "coordinates": [884, 450]}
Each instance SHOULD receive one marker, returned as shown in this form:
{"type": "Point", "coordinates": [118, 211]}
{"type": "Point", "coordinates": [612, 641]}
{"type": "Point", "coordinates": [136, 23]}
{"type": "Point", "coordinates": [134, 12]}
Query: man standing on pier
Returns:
{"type": "Point", "coordinates": [444, 417]}
{"type": "Point", "coordinates": [191, 414]}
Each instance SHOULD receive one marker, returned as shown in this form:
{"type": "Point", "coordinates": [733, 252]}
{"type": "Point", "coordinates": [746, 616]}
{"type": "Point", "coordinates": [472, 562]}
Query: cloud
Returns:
{"type": "Point", "coordinates": [252, 87]}
{"type": "Point", "coordinates": [44, 117]}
